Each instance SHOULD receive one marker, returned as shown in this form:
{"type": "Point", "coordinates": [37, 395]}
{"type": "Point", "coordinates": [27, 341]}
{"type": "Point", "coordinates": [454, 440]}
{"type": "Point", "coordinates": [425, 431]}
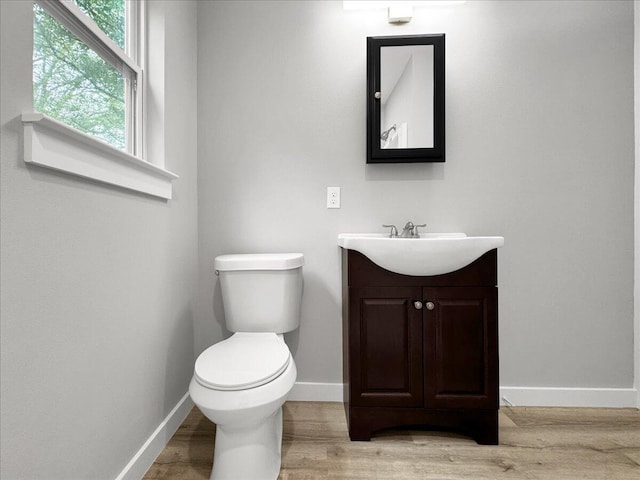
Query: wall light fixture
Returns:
{"type": "Point", "coordinates": [398, 11]}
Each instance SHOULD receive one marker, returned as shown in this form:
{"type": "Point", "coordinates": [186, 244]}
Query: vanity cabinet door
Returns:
{"type": "Point", "coordinates": [385, 348]}
{"type": "Point", "coordinates": [461, 347]}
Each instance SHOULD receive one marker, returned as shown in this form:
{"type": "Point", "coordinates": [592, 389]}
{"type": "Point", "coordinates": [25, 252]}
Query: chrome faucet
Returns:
{"type": "Point", "coordinates": [407, 231]}
{"type": "Point", "coordinates": [410, 230]}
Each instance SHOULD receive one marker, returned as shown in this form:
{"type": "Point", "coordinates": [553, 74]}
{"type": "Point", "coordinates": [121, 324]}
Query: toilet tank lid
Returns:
{"type": "Point", "coordinates": [259, 261]}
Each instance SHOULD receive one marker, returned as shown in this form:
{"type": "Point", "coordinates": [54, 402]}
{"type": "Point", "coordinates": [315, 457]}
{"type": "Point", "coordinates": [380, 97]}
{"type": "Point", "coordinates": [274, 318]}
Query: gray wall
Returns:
{"type": "Point", "coordinates": [540, 149]}
{"type": "Point", "coordinates": [98, 283]}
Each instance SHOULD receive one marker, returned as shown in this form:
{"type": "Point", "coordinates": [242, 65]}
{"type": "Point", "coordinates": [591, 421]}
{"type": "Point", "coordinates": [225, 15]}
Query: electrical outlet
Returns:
{"type": "Point", "coordinates": [333, 197]}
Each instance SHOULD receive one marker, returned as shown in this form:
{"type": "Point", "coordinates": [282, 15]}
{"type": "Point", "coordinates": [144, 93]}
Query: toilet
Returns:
{"type": "Point", "coordinates": [242, 382]}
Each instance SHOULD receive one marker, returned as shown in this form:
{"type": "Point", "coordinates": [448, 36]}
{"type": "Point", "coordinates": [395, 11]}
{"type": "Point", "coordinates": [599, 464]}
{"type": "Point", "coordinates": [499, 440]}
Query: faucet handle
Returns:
{"type": "Point", "coordinates": [415, 229]}
{"type": "Point", "coordinates": [394, 230]}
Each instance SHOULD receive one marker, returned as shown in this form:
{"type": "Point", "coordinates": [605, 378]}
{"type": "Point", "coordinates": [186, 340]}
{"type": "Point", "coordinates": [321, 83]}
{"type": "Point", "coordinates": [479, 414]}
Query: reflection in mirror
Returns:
{"type": "Point", "coordinates": [406, 92]}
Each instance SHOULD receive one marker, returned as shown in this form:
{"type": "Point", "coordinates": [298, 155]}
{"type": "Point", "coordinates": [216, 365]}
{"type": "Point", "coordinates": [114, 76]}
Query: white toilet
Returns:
{"type": "Point", "coordinates": [241, 383]}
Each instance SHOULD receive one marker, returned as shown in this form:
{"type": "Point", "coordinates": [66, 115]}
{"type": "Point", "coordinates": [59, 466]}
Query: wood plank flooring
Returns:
{"type": "Point", "coordinates": [535, 443]}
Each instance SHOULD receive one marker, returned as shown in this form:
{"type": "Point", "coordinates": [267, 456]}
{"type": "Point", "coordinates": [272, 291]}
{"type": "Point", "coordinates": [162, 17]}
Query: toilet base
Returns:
{"type": "Point", "coordinates": [249, 453]}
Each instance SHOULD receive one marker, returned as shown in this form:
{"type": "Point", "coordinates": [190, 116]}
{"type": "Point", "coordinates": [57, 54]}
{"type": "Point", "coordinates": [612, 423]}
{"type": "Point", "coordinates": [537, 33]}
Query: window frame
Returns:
{"type": "Point", "coordinates": [128, 62]}
{"type": "Point", "coordinates": [56, 146]}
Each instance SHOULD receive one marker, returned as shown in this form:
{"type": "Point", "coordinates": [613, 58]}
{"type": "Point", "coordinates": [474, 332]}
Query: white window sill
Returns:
{"type": "Point", "coordinates": [52, 144]}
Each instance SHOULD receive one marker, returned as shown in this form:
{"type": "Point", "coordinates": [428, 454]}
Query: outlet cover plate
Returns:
{"type": "Point", "coordinates": [333, 197]}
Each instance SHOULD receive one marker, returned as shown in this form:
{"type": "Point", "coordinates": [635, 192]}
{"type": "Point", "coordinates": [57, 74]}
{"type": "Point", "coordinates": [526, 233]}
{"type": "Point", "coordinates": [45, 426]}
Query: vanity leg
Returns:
{"type": "Point", "coordinates": [359, 434]}
{"type": "Point", "coordinates": [359, 437]}
{"type": "Point", "coordinates": [359, 429]}
{"type": "Point", "coordinates": [485, 429]}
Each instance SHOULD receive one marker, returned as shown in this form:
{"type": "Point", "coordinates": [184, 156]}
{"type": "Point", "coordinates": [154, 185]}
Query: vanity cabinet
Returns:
{"type": "Point", "coordinates": [421, 350]}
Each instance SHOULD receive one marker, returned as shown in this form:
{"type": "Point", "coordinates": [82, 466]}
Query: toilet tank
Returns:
{"type": "Point", "coordinates": [261, 292]}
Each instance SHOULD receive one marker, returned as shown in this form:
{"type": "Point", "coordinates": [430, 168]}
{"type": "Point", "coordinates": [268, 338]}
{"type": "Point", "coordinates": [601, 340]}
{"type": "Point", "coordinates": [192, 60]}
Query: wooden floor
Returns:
{"type": "Point", "coordinates": [535, 443]}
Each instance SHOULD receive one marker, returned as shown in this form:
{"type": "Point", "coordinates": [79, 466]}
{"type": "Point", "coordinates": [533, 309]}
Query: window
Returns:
{"type": "Point", "coordinates": [88, 95]}
{"type": "Point", "coordinates": [86, 68]}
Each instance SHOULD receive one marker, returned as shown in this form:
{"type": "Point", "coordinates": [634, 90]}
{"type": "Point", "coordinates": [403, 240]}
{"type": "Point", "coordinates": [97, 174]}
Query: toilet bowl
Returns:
{"type": "Point", "coordinates": [248, 425]}
{"type": "Point", "coordinates": [242, 382]}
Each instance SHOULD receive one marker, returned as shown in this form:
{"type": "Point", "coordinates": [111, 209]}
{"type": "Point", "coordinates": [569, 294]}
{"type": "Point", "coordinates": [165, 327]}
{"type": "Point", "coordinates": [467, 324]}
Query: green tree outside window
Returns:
{"type": "Point", "coordinates": [72, 83]}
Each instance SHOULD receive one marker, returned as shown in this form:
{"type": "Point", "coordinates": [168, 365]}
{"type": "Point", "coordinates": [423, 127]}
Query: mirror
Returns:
{"type": "Point", "coordinates": [405, 99]}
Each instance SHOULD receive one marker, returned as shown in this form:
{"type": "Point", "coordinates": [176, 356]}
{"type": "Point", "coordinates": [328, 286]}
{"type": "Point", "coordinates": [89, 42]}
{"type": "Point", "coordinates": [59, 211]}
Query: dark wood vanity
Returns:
{"type": "Point", "coordinates": [420, 351]}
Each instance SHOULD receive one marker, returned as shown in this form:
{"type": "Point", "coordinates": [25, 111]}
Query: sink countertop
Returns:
{"type": "Point", "coordinates": [431, 254]}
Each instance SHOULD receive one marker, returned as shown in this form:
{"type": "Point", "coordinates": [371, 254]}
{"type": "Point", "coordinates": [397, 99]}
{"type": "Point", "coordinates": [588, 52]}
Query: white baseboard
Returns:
{"type": "Point", "coordinates": [569, 397]}
{"type": "Point", "coordinates": [144, 458]}
{"type": "Point", "coordinates": [518, 396]}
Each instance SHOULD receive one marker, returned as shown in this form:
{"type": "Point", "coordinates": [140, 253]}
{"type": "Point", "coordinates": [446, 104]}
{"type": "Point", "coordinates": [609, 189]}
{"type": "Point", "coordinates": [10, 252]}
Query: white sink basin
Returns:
{"type": "Point", "coordinates": [431, 254]}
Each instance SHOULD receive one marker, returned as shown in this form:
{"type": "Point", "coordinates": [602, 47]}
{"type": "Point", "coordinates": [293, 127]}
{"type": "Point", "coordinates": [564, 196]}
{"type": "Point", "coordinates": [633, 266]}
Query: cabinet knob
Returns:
{"type": "Point", "coordinates": [417, 305]}
{"type": "Point", "coordinates": [430, 305]}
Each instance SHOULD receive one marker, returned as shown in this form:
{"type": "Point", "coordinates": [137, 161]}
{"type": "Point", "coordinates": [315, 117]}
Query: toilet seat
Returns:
{"type": "Point", "coordinates": [243, 361]}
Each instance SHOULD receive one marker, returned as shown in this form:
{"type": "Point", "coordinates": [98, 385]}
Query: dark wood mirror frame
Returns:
{"type": "Point", "coordinates": [375, 153]}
